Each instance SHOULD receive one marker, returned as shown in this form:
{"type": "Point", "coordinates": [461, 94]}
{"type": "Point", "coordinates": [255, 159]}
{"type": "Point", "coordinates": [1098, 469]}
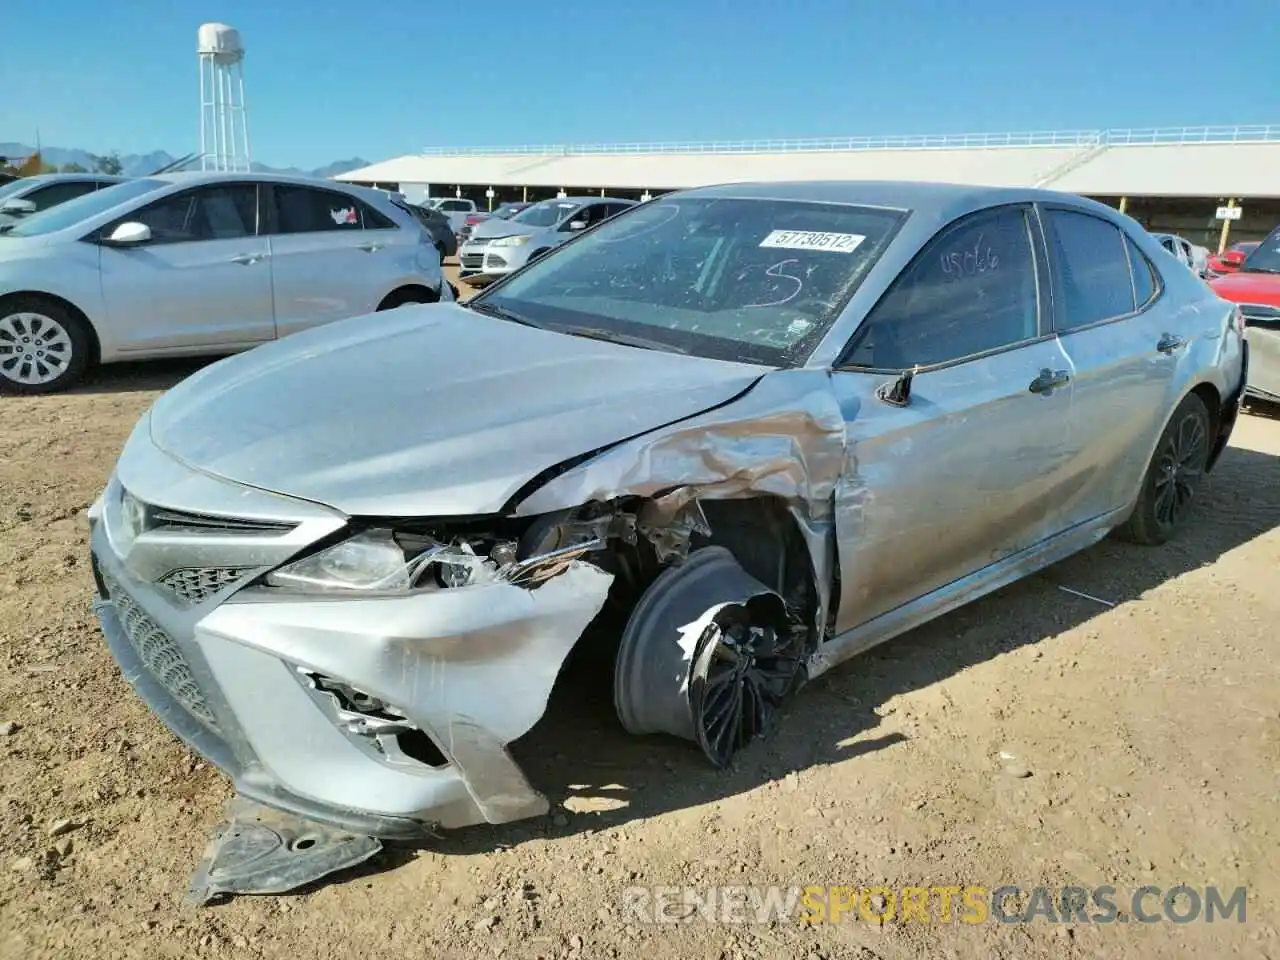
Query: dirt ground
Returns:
{"type": "Point", "coordinates": [1150, 731]}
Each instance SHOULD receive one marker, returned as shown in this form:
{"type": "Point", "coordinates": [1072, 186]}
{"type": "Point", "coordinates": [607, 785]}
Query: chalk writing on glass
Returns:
{"type": "Point", "coordinates": [787, 287]}
{"type": "Point", "coordinates": [970, 262]}
{"type": "Point", "coordinates": [641, 223]}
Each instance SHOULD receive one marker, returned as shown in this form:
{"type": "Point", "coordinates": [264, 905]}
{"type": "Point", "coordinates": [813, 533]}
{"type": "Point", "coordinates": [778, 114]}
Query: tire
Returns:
{"type": "Point", "coordinates": [1173, 477]}
{"type": "Point", "coordinates": [44, 347]}
{"type": "Point", "coordinates": [400, 298]}
{"type": "Point", "coordinates": [667, 680]}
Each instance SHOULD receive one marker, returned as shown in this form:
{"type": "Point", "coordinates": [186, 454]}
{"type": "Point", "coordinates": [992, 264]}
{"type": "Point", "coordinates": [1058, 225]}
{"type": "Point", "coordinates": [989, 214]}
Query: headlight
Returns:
{"type": "Point", "coordinates": [380, 561]}
{"type": "Point", "coordinates": [511, 241]}
{"type": "Point", "coordinates": [133, 520]}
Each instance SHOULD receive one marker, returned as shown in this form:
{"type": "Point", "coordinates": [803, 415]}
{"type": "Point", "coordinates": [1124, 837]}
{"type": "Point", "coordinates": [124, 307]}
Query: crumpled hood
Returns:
{"type": "Point", "coordinates": [1244, 287]}
{"type": "Point", "coordinates": [425, 411]}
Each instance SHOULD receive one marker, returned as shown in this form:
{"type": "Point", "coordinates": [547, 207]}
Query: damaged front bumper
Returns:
{"type": "Point", "coordinates": [289, 695]}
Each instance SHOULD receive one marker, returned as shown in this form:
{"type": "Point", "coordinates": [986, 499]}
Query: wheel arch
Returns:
{"type": "Point", "coordinates": [405, 293]}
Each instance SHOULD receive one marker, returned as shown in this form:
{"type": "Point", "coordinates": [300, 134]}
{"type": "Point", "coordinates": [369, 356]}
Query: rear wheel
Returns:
{"type": "Point", "coordinates": [44, 347]}
{"type": "Point", "coordinates": [407, 295]}
{"type": "Point", "coordinates": [1173, 477]}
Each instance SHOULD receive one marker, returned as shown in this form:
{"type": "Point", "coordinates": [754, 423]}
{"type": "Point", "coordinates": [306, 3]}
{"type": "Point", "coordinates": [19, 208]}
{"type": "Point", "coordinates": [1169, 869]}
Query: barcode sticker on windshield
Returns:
{"type": "Point", "coordinates": [813, 240]}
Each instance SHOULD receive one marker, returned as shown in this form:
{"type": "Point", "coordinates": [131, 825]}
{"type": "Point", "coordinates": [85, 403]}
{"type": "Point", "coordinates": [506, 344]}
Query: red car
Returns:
{"type": "Point", "coordinates": [1230, 259]}
{"type": "Point", "coordinates": [1255, 285]}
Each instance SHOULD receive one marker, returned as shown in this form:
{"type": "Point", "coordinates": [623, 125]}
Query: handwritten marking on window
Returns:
{"type": "Point", "coordinates": [786, 290]}
{"type": "Point", "coordinates": [639, 225]}
{"type": "Point", "coordinates": [970, 262]}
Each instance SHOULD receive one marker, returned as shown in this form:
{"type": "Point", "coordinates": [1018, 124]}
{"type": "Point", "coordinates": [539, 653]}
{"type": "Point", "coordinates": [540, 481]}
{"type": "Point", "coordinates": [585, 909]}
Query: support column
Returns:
{"type": "Point", "coordinates": [524, 194]}
{"type": "Point", "coordinates": [1226, 228]}
{"type": "Point", "coordinates": [1124, 204]}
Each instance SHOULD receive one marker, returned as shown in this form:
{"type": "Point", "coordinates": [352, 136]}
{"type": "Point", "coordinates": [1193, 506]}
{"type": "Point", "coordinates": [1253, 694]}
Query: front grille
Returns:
{"type": "Point", "coordinates": [473, 261]}
{"type": "Point", "coordinates": [160, 655]}
{"type": "Point", "coordinates": [1260, 313]}
{"type": "Point", "coordinates": [197, 584]}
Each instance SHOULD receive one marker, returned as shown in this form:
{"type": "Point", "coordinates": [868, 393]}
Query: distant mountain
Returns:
{"type": "Point", "coordinates": [141, 164]}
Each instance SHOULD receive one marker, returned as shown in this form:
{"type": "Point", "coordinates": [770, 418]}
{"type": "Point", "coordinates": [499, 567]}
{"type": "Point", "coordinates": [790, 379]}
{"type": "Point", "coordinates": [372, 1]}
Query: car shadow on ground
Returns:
{"type": "Point", "coordinates": [140, 375]}
{"type": "Point", "coordinates": [578, 750]}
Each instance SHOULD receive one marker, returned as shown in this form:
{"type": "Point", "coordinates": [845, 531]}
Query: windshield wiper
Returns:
{"type": "Point", "coordinates": [612, 336]}
{"type": "Point", "coordinates": [1244, 269]}
{"type": "Point", "coordinates": [500, 313]}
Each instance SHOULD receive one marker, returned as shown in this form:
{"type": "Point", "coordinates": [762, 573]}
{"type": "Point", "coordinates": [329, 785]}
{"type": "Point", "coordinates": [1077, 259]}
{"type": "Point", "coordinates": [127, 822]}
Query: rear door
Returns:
{"type": "Point", "coordinates": [1124, 347]}
{"type": "Point", "coordinates": [969, 471]}
{"type": "Point", "coordinates": [332, 256]}
{"type": "Point", "coordinates": [203, 280]}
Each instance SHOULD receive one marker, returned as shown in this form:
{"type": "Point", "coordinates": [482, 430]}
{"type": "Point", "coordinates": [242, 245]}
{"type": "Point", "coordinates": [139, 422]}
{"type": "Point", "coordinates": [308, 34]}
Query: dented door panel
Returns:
{"type": "Point", "coordinates": [965, 475]}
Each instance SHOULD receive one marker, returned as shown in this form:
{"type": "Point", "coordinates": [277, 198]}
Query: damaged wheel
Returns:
{"type": "Point", "coordinates": [707, 655]}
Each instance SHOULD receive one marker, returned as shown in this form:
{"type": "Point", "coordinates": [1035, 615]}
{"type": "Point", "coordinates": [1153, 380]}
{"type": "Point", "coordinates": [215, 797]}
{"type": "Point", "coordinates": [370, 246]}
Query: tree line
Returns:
{"type": "Point", "coordinates": [35, 165]}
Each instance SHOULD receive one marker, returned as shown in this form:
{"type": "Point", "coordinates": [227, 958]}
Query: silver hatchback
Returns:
{"type": "Point", "coordinates": [199, 263]}
{"type": "Point", "coordinates": [760, 428]}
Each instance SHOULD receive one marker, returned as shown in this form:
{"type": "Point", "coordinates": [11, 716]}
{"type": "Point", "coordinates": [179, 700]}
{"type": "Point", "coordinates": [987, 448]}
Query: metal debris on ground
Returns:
{"type": "Point", "coordinates": [1086, 596]}
{"type": "Point", "coordinates": [261, 850]}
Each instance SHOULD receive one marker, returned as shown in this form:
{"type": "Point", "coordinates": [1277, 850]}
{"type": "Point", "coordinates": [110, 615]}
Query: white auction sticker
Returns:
{"type": "Point", "coordinates": [813, 240]}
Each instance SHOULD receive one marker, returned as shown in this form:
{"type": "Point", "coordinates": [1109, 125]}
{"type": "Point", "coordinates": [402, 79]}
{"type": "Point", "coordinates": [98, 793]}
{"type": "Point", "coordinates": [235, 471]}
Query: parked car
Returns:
{"type": "Point", "coordinates": [1229, 260]}
{"type": "Point", "coordinates": [1255, 285]}
{"type": "Point", "coordinates": [456, 209]}
{"type": "Point", "coordinates": [504, 211]}
{"type": "Point", "coordinates": [27, 195]}
{"type": "Point", "coordinates": [752, 429]}
{"type": "Point", "coordinates": [188, 264]}
{"type": "Point", "coordinates": [436, 224]}
{"type": "Point", "coordinates": [499, 247]}
{"type": "Point", "coordinates": [1190, 255]}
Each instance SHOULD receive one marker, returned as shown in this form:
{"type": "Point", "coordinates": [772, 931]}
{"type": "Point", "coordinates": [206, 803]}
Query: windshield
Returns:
{"type": "Point", "coordinates": [508, 210]}
{"type": "Point", "coordinates": [1265, 257]}
{"type": "Point", "coordinates": [545, 214]}
{"type": "Point", "coordinates": [82, 208]}
{"type": "Point", "coordinates": [22, 183]}
{"type": "Point", "coordinates": [758, 281]}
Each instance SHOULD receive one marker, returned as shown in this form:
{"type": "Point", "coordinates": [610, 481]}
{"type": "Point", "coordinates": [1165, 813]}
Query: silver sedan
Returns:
{"type": "Point", "coordinates": [774, 425]}
{"type": "Point", "coordinates": [198, 263]}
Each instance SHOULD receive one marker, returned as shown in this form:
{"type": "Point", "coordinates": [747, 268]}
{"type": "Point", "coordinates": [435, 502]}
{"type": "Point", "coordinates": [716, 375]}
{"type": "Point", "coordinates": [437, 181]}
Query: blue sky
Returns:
{"type": "Point", "coordinates": [329, 80]}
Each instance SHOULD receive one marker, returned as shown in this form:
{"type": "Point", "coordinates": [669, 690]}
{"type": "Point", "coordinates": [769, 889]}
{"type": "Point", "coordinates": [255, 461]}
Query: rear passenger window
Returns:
{"type": "Point", "coordinates": [373, 220]}
{"type": "Point", "coordinates": [1144, 275]}
{"type": "Point", "coordinates": [1091, 274]}
{"type": "Point", "coordinates": [972, 290]}
{"type": "Point", "coordinates": [306, 210]}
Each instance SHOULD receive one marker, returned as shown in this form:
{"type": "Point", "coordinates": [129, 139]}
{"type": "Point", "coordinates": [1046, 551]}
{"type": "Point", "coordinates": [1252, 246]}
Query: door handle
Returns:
{"type": "Point", "coordinates": [1049, 380]}
{"type": "Point", "coordinates": [1170, 342]}
{"type": "Point", "coordinates": [371, 247]}
{"type": "Point", "coordinates": [247, 258]}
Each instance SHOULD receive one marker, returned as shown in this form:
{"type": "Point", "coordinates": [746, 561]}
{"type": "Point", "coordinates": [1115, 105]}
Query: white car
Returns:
{"type": "Point", "coordinates": [204, 263]}
{"type": "Point", "coordinates": [1195, 258]}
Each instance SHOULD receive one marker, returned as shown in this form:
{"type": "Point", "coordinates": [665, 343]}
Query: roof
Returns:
{"type": "Point", "coordinates": [1184, 161]}
{"type": "Point", "coordinates": [931, 202]}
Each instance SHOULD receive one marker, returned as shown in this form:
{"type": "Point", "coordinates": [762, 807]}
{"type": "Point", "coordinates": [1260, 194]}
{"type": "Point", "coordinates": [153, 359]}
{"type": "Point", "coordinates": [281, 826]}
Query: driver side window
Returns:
{"type": "Point", "coordinates": [222, 212]}
{"type": "Point", "coordinates": [972, 290]}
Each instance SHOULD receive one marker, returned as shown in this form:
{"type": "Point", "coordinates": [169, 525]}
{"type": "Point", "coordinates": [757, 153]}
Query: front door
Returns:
{"type": "Point", "coordinates": [966, 473]}
{"type": "Point", "coordinates": [202, 281]}
{"type": "Point", "coordinates": [1124, 344]}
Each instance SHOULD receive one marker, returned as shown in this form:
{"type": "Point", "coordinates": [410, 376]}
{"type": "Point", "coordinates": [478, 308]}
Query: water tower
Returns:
{"type": "Point", "coordinates": [224, 115]}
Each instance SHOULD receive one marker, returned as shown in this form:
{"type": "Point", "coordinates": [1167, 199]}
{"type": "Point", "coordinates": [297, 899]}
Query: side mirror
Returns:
{"type": "Point", "coordinates": [129, 235]}
{"type": "Point", "coordinates": [577, 224]}
{"type": "Point", "coordinates": [1233, 257]}
{"type": "Point", "coordinates": [18, 208]}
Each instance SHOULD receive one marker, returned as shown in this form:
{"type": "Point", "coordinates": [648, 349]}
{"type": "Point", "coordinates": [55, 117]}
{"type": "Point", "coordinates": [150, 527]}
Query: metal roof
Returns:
{"type": "Point", "coordinates": [1240, 161]}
